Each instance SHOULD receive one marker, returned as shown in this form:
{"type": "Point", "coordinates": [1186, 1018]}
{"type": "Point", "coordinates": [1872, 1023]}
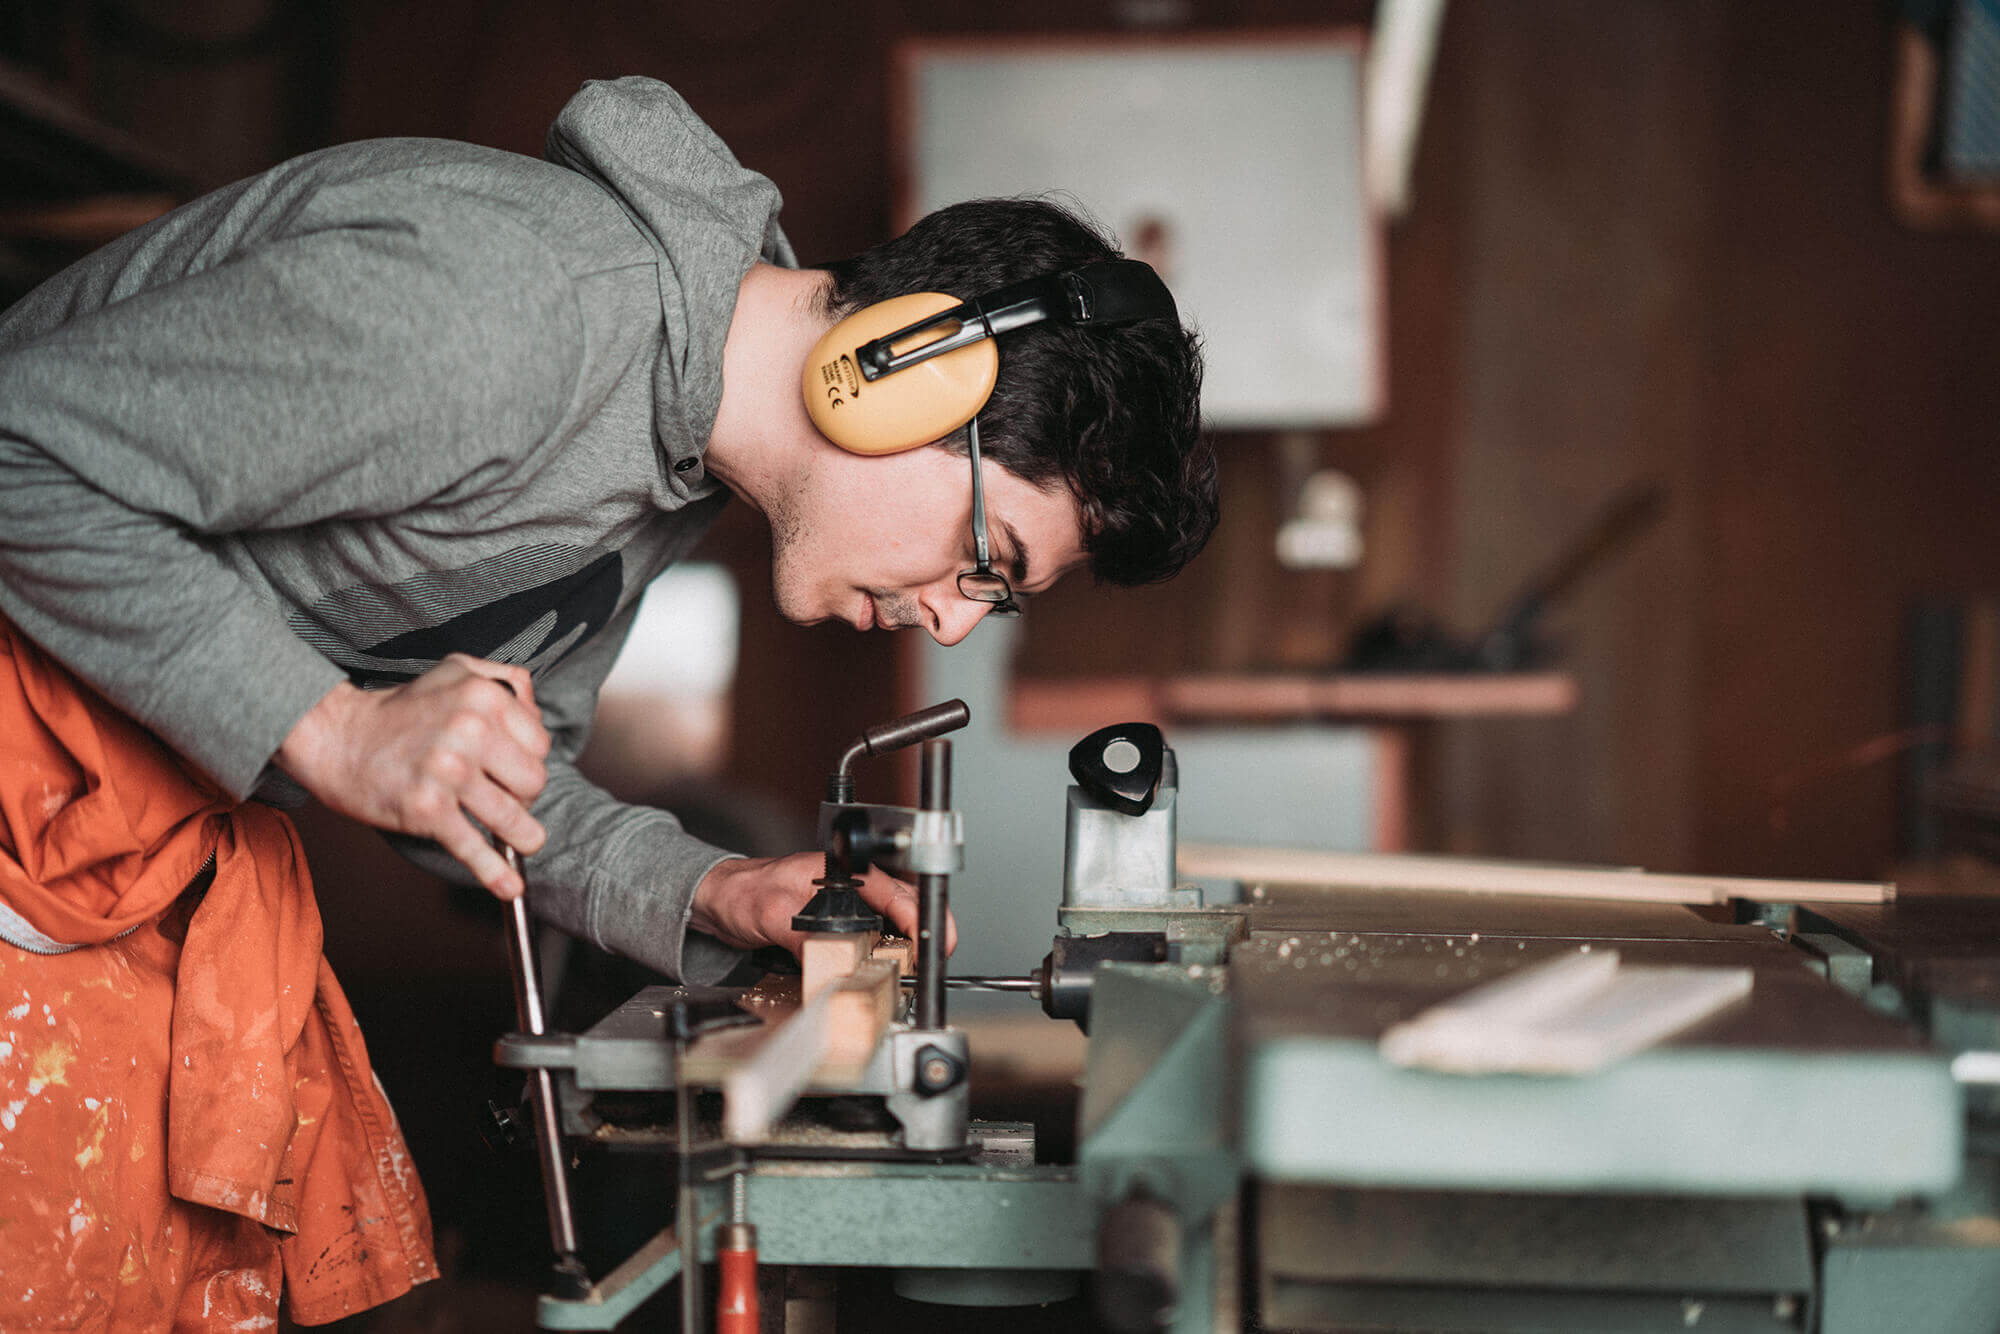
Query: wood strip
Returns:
{"type": "Point", "coordinates": [1363, 870]}
{"type": "Point", "coordinates": [828, 956]}
{"type": "Point", "coordinates": [899, 950]}
{"type": "Point", "coordinates": [826, 1044]}
{"type": "Point", "coordinates": [859, 1011]}
{"type": "Point", "coordinates": [1083, 705]}
{"type": "Point", "coordinates": [1080, 704]}
{"type": "Point", "coordinates": [1368, 696]}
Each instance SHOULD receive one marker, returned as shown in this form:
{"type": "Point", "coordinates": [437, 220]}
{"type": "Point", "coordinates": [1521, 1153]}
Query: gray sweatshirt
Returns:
{"type": "Point", "coordinates": [382, 403]}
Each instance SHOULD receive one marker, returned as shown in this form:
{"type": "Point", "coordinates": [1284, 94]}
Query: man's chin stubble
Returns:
{"type": "Point", "coordinates": [896, 611]}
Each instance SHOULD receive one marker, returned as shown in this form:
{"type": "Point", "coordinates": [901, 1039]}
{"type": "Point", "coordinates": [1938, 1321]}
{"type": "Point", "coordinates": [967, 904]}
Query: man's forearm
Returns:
{"type": "Point", "coordinates": [132, 605]}
{"type": "Point", "coordinates": [623, 877]}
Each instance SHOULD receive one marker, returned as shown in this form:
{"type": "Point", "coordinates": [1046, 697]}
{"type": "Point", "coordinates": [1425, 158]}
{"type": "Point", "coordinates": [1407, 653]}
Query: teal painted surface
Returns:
{"type": "Point", "coordinates": [1703, 1121]}
{"type": "Point", "coordinates": [942, 1217]}
{"type": "Point", "coordinates": [877, 1215]}
{"type": "Point", "coordinates": [1939, 1289]}
{"type": "Point", "coordinates": [1155, 1111]}
{"type": "Point", "coordinates": [1155, 1102]}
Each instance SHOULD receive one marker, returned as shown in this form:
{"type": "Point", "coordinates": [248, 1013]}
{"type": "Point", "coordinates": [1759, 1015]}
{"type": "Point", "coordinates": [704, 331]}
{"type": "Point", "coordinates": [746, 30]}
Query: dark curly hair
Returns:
{"type": "Point", "coordinates": [1112, 413]}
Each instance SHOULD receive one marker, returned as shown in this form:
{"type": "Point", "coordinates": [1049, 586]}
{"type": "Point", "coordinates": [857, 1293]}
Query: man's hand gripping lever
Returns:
{"type": "Point", "coordinates": [461, 743]}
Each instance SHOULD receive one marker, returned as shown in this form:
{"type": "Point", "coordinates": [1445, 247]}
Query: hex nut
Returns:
{"type": "Point", "coordinates": [937, 1070]}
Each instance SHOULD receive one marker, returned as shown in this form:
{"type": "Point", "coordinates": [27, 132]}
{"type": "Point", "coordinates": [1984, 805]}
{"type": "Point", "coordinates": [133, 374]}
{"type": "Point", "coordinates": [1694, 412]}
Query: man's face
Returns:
{"type": "Point", "coordinates": [879, 542]}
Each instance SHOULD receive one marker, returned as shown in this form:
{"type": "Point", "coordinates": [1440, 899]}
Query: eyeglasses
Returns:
{"type": "Point", "coordinates": [983, 583]}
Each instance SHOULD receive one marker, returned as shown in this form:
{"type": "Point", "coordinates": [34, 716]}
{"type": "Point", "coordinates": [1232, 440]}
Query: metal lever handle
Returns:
{"type": "Point", "coordinates": [907, 731]}
{"type": "Point", "coordinates": [572, 1280]}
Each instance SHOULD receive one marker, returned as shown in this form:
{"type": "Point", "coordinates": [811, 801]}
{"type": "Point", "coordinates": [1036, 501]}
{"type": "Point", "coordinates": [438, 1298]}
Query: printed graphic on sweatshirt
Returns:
{"type": "Point", "coordinates": [529, 607]}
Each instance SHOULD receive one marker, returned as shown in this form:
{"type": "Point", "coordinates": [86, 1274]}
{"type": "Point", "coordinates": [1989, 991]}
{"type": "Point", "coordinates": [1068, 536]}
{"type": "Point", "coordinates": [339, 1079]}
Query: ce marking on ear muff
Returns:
{"type": "Point", "coordinates": [840, 381]}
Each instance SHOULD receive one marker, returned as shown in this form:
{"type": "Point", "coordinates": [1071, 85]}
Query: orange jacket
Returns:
{"type": "Point", "coordinates": [186, 1105]}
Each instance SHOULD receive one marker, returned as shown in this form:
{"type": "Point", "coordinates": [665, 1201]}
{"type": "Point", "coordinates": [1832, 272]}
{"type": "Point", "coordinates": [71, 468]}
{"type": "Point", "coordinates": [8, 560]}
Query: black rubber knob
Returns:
{"type": "Point", "coordinates": [1121, 765]}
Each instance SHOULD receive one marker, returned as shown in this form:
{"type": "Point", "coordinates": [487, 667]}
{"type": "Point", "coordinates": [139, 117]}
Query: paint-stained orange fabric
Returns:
{"type": "Point", "coordinates": [186, 1107]}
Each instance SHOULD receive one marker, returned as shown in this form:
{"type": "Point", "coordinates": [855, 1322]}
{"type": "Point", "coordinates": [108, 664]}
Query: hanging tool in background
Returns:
{"type": "Point", "coordinates": [1407, 638]}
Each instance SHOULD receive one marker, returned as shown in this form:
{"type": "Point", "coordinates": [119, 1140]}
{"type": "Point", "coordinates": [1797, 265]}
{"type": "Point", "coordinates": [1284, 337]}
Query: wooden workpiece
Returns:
{"type": "Point", "coordinates": [819, 1030]}
{"type": "Point", "coordinates": [1068, 705]}
{"type": "Point", "coordinates": [825, 1044]}
{"type": "Point", "coordinates": [858, 1013]}
{"type": "Point", "coordinates": [1302, 866]}
{"type": "Point", "coordinates": [828, 956]}
{"type": "Point", "coordinates": [899, 950]}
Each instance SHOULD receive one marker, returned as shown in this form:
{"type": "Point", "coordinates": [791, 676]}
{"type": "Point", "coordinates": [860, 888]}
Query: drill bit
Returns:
{"type": "Point", "coordinates": [1032, 985]}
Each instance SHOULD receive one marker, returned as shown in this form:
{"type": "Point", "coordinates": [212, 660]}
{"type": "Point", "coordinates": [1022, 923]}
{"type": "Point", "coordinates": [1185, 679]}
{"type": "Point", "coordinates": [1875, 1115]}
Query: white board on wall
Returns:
{"type": "Point", "coordinates": [1233, 164]}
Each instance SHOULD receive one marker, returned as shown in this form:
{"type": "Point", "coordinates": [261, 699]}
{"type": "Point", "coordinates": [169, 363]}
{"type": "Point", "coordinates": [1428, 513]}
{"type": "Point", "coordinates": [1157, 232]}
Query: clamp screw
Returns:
{"type": "Point", "coordinates": [937, 1070]}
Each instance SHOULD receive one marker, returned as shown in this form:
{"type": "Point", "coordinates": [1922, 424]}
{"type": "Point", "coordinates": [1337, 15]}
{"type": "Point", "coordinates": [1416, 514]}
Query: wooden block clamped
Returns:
{"type": "Point", "coordinates": [829, 956]}
{"type": "Point", "coordinates": [899, 950]}
{"type": "Point", "coordinates": [821, 1036]}
{"type": "Point", "coordinates": [827, 1043]}
{"type": "Point", "coordinates": [859, 1012]}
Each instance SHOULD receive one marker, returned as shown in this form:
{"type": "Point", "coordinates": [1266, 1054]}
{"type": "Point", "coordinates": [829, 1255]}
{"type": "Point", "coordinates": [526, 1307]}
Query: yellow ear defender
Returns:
{"type": "Point", "coordinates": [910, 370]}
{"type": "Point", "coordinates": [893, 413]}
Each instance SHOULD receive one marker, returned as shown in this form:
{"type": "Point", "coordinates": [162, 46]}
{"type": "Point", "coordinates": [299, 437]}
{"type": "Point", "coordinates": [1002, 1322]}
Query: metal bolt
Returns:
{"type": "Point", "coordinates": [936, 1070]}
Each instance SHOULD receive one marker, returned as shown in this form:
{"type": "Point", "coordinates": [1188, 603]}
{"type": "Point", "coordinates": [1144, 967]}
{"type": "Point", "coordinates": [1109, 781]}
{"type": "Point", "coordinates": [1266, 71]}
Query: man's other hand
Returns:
{"type": "Point", "coordinates": [464, 739]}
{"type": "Point", "coordinates": [749, 901]}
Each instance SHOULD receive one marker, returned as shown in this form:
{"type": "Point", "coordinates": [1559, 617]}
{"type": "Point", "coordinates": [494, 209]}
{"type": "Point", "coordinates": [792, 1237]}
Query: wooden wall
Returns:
{"type": "Point", "coordinates": [1676, 260]}
{"type": "Point", "coordinates": [1649, 241]}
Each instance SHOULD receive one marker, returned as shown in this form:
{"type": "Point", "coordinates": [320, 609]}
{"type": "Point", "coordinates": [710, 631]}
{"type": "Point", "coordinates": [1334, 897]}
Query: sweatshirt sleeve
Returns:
{"type": "Point", "coordinates": [617, 875]}
{"type": "Point", "coordinates": [622, 877]}
{"type": "Point", "coordinates": [333, 371]}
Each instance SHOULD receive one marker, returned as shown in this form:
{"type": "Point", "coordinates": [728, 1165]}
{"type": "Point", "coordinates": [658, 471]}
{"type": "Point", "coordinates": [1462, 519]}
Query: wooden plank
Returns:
{"type": "Point", "coordinates": [1389, 695]}
{"type": "Point", "coordinates": [860, 1007]}
{"type": "Point", "coordinates": [828, 956]}
{"type": "Point", "coordinates": [825, 1045]}
{"type": "Point", "coordinates": [1461, 875]}
{"type": "Point", "coordinates": [1080, 704]}
{"type": "Point", "coordinates": [775, 1000]}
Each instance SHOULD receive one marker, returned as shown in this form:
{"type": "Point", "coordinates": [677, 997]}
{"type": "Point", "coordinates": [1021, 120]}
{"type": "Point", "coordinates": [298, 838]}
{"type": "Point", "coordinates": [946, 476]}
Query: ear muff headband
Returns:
{"type": "Point", "coordinates": [904, 372]}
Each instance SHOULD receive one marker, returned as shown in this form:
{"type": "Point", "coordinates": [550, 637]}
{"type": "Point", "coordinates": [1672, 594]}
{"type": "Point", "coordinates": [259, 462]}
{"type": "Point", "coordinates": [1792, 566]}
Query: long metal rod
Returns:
{"type": "Point", "coordinates": [933, 891]}
{"type": "Point", "coordinates": [687, 1209]}
{"type": "Point", "coordinates": [529, 1014]}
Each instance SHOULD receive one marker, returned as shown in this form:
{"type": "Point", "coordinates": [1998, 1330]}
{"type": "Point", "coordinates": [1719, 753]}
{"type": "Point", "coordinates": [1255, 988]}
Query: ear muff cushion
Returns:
{"type": "Point", "coordinates": [902, 411]}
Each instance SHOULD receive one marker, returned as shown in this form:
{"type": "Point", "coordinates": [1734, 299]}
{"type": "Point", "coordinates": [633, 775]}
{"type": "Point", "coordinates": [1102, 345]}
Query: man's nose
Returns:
{"type": "Point", "coordinates": [952, 615]}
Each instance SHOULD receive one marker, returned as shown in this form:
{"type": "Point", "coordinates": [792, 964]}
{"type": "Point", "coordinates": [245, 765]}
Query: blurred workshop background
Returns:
{"type": "Point", "coordinates": [1607, 394]}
